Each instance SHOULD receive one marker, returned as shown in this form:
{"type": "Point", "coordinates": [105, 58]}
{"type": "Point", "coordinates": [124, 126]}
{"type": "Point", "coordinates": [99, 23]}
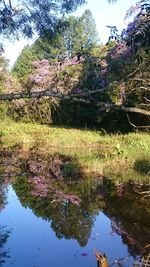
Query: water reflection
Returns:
{"type": "Point", "coordinates": [53, 187]}
{"type": "Point", "coordinates": [4, 233]}
{"type": "Point", "coordinates": [69, 220]}
{"type": "Point", "coordinates": [130, 216]}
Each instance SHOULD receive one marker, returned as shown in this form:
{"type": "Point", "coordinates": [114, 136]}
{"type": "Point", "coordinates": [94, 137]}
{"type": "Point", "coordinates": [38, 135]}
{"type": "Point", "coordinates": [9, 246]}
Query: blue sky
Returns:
{"type": "Point", "coordinates": [104, 14]}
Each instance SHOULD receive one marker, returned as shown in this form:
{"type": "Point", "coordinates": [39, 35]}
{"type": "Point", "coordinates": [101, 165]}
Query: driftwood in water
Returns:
{"type": "Point", "coordinates": [102, 260]}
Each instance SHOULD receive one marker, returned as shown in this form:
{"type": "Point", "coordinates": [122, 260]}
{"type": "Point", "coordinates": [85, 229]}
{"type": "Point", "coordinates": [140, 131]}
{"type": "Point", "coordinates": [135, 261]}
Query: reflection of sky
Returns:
{"type": "Point", "coordinates": [33, 243]}
{"type": "Point", "coordinates": [104, 14]}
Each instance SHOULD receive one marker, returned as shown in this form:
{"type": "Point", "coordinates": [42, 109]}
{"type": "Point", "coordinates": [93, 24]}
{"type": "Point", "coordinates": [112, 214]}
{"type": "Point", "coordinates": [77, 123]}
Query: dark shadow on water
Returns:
{"type": "Point", "coordinates": [129, 214]}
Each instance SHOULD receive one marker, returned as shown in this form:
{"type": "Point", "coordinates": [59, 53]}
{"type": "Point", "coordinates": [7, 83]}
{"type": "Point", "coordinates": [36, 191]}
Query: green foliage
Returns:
{"type": "Point", "coordinates": [50, 47]}
{"type": "Point", "coordinates": [80, 35]}
{"type": "Point", "coordinates": [3, 110]}
{"type": "Point", "coordinates": [3, 71]}
{"type": "Point", "coordinates": [70, 170]}
{"type": "Point", "coordinates": [33, 16]}
{"type": "Point", "coordinates": [23, 66]}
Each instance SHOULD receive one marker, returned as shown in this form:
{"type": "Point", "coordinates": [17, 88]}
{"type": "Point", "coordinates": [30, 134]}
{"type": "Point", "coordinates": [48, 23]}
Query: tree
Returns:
{"type": "Point", "coordinates": [30, 16]}
{"type": "Point", "coordinates": [3, 65]}
{"type": "Point", "coordinates": [80, 34]}
{"type": "Point", "coordinates": [23, 66]}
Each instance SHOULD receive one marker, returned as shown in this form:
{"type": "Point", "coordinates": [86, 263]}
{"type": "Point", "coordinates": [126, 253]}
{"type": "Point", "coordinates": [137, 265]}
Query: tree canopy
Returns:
{"type": "Point", "coordinates": [30, 16]}
{"type": "Point", "coordinates": [78, 37]}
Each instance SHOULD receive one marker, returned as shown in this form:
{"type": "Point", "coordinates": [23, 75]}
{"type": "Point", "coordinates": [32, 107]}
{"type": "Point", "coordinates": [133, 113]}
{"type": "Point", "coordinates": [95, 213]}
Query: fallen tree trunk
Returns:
{"type": "Point", "coordinates": [75, 97]}
{"type": "Point", "coordinates": [39, 94]}
{"type": "Point", "coordinates": [109, 106]}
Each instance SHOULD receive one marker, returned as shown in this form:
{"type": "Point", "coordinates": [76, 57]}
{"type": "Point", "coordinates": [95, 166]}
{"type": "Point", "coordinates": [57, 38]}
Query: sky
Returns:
{"type": "Point", "coordinates": [103, 13]}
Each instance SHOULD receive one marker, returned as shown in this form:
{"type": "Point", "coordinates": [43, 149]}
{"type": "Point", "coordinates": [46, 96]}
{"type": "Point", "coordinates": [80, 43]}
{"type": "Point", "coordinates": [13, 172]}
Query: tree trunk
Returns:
{"type": "Point", "coordinates": [75, 97]}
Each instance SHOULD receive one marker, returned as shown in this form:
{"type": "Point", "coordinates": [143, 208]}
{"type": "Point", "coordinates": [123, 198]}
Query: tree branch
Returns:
{"type": "Point", "coordinates": [138, 127]}
{"type": "Point", "coordinates": [144, 88]}
{"type": "Point", "coordinates": [10, 4]}
{"type": "Point", "coordinates": [148, 100]}
{"type": "Point", "coordinates": [4, 3]}
{"type": "Point", "coordinates": [109, 106]}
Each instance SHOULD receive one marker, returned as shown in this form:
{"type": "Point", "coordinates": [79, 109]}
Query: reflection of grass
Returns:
{"type": "Point", "coordinates": [134, 167]}
{"type": "Point", "coordinates": [116, 156]}
{"type": "Point", "coordinates": [70, 170]}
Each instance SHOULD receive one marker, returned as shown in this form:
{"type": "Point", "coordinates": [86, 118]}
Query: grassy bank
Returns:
{"type": "Point", "coordinates": [119, 157]}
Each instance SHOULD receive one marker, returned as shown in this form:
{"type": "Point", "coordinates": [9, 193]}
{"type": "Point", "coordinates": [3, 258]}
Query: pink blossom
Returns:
{"type": "Point", "coordinates": [40, 63]}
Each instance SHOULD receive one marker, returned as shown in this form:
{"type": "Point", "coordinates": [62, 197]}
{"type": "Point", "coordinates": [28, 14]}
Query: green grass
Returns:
{"type": "Point", "coordinates": [118, 157]}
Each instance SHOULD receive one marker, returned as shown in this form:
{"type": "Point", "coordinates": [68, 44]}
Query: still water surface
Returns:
{"type": "Point", "coordinates": [32, 242]}
{"type": "Point", "coordinates": [46, 223]}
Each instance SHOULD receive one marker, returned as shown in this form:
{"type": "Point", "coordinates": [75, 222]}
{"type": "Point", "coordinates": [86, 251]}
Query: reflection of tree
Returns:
{"type": "Point", "coordinates": [129, 214]}
{"type": "Point", "coordinates": [2, 196]}
{"type": "Point", "coordinates": [67, 219]}
{"type": "Point", "coordinates": [4, 234]}
{"type": "Point", "coordinates": [1, 201]}
{"type": "Point", "coordinates": [73, 222]}
{"type": "Point", "coordinates": [130, 217]}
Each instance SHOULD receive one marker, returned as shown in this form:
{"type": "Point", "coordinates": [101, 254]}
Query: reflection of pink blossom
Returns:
{"type": "Point", "coordinates": [76, 91]}
{"type": "Point", "coordinates": [61, 196]}
{"type": "Point", "coordinates": [84, 254]}
{"type": "Point", "coordinates": [73, 199]}
{"type": "Point", "coordinates": [40, 186]}
{"type": "Point", "coordinates": [120, 190]}
{"type": "Point", "coordinates": [35, 167]}
{"type": "Point", "coordinates": [120, 231]}
{"type": "Point", "coordinates": [104, 63]}
{"type": "Point", "coordinates": [104, 71]}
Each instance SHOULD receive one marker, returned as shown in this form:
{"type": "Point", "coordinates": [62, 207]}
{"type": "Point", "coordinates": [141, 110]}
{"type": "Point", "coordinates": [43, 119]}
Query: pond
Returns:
{"type": "Point", "coordinates": [51, 216]}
